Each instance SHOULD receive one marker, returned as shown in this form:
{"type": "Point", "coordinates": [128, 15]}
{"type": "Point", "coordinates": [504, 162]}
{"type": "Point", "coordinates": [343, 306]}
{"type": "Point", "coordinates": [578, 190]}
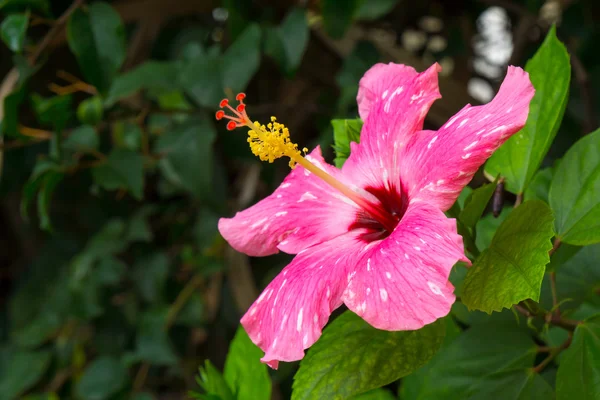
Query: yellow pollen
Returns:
{"type": "Point", "coordinates": [272, 141]}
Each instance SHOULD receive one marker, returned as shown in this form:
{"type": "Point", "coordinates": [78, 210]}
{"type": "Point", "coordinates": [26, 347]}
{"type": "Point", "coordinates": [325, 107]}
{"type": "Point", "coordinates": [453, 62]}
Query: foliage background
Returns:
{"type": "Point", "coordinates": [114, 282]}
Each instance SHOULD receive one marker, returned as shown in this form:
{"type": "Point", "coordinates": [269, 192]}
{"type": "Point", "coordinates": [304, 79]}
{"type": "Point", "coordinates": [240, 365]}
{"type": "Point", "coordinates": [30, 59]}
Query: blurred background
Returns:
{"type": "Point", "coordinates": [114, 281]}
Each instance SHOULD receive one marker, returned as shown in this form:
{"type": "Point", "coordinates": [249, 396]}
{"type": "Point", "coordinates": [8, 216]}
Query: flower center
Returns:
{"type": "Point", "coordinates": [394, 201]}
{"type": "Point", "coordinates": [272, 141]}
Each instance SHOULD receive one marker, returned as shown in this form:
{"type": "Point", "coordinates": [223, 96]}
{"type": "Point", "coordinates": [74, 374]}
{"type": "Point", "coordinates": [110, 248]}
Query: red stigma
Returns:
{"type": "Point", "coordinates": [237, 116]}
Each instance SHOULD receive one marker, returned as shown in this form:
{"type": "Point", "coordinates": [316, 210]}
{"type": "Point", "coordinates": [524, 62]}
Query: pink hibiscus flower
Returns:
{"type": "Point", "coordinates": [372, 235]}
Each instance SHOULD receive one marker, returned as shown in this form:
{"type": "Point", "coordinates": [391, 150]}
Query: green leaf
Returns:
{"type": "Point", "coordinates": [520, 157]}
{"type": "Point", "coordinates": [150, 75]}
{"type": "Point", "coordinates": [370, 10]}
{"type": "Point", "coordinates": [574, 192]}
{"type": "Point", "coordinates": [476, 203]}
{"type": "Point", "coordinates": [294, 33]}
{"type": "Point", "coordinates": [579, 277]}
{"type": "Point", "coordinates": [242, 59]}
{"type": "Point", "coordinates": [485, 355]}
{"type": "Point", "coordinates": [40, 172]}
{"type": "Point", "coordinates": [337, 16]}
{"type": "Point", "coordinates": [139, 229]}
{"type": "Point", "coordinates": [97, 38]}
{"type": "Point", "coordinates": [90, 111]}
{"type": "Point", "coordinates": [49, 184]}
{"type": "Point", "coordinates": [53, 112]}
{"type": "Point", "coordinates": [13, 30]}
{"type": "Point", "coordinates": [122, 169]}
{"type": "Point", "coordinates": [522, 384]}
{"type": "Point", "coordinates": [152, 341]}
{"type": "Point", "coordinates": [42, 6]}
{"type": "Point", "coordinates": [344, 132]}
{"type": "Point", "coordinates": [189, 156]}
{"type": "Point", "coordinates": [127, 135]}
{"type": "Point", "coordinates": [539, 187]}
{"type": "Point", "coordinates": [24, 369]}
{"type": "Point", "coordinates": [101, 379]}
{"type": "Point", "coordinates": [487, 226]}
{"type": "Point", "coordinates": [352, 357]}
{"type": "Point", "coordinates": [150, 274]}
{"type": "Point", "coordinates": [513, 267]}
{"type": "Point", "coordinates": [561, 256]}
{"type": "Point", "coordinates": [202, 79]}
{"type": "Point", "coordinates": [245, 374]}
{"type": "Point", "coordinates": [579, 371]}
{"type": "Point", "coordinates": [375, 394]}
{"type": "Point", "coordinates": [83, 138]}
{"type": "Point", "coordinates": [213, 384]}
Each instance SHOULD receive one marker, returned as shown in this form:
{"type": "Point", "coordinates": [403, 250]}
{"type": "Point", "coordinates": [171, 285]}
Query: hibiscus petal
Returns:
{"type": "Point", "coordinates": [401, 282]}
{"type": "Point", "coordinates": [301, 212]}
{"type": "Point", "coordinates": [393, 100]}
{"type": "Point", "coordinates": [436, 165]}
{"type": "Point", "coordinates": [293, 309]}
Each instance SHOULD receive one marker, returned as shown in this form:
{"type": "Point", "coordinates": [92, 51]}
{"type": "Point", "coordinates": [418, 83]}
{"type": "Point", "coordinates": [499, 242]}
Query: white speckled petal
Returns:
{"type": "Point", "coordinates": [301, 212]}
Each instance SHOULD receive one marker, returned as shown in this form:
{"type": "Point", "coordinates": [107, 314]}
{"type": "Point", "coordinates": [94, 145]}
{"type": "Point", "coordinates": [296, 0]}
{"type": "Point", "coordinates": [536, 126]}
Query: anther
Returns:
{"type": "Point", "coordinates": [219, 114]}
{"type": "Point", "coordinates": [223, 103]}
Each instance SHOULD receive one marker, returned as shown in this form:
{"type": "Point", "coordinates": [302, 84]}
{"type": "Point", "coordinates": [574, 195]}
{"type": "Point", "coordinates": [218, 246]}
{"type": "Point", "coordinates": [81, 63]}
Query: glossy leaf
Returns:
{"type": "Point", "coordinates": [82, 138]}
{"type": "Point", "coordinates": [188, 160]}
{"type": "Point", "coordinates": [13, 30]}
{"type": "Point", "coordinates": [352, 357]}
{"type": "Point", "coordinates": [213, 383]}
{"type": "Point", "coordinates": [202, 78]}
{"type": "Point", "coordinates": [24, 369]}
{"type": "Point", "coordinates": [97, 38]}
{"type": "Point", "coordinates": [513, 267]}
{"type": "Point", "coordinates": [337, 16]}
{"type": "Point", "coordinates": [294, 33]}
{"type": "Point", "coordinates": [579, 277]}
{"type": "Point", "coordinates": [520, 157]}
{"type": "Point", "coordinates": [487, 227]}
{"type": "Point", "coordinates": [246, 375]}
{"type": "Point", "coordinates": [574, 192]}
{"type": "Point", "coordinates": [484, 356]}
{"type": "Point", "coordinates": [104, 377]}
{"type": "Point", "coordinates": [372, 9]}
{"type": "Point", "coordinates": [475, 204]}
{"type": "Point", "coordinates": [150, 274]}
{"type": "Point", "coordinates": [539, 187]}
{"type": "Point", "coordinates": [42, 6]}
{"type": "Point", "coordinates": [344, 132]}
{"type": "Point", "coordinates": [53, 112]}
{"type": "Point", "coordinates": [152, 341]}
{"type": "Point", "coordinates": [579, 371]}
{"type": "Point", "coordinates": [123, 169]}
{"type": "Point", "coordinates": [242, 59]}
{"type": "Point", "coordinates": [149, 75]}
{"type": "Point", "coordinates": [375, 394]}
{"type": "Point", "coordinates": [49, 184]}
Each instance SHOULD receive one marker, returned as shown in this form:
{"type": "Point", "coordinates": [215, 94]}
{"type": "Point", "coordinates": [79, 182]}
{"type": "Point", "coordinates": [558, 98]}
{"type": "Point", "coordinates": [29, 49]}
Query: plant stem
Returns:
{"type": "Point", "coordinates": [554, 351]}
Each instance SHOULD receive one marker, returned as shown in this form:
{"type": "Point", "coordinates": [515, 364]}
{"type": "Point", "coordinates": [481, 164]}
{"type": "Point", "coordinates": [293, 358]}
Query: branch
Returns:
{"type": "Point", "coordinates": [553, 352]}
